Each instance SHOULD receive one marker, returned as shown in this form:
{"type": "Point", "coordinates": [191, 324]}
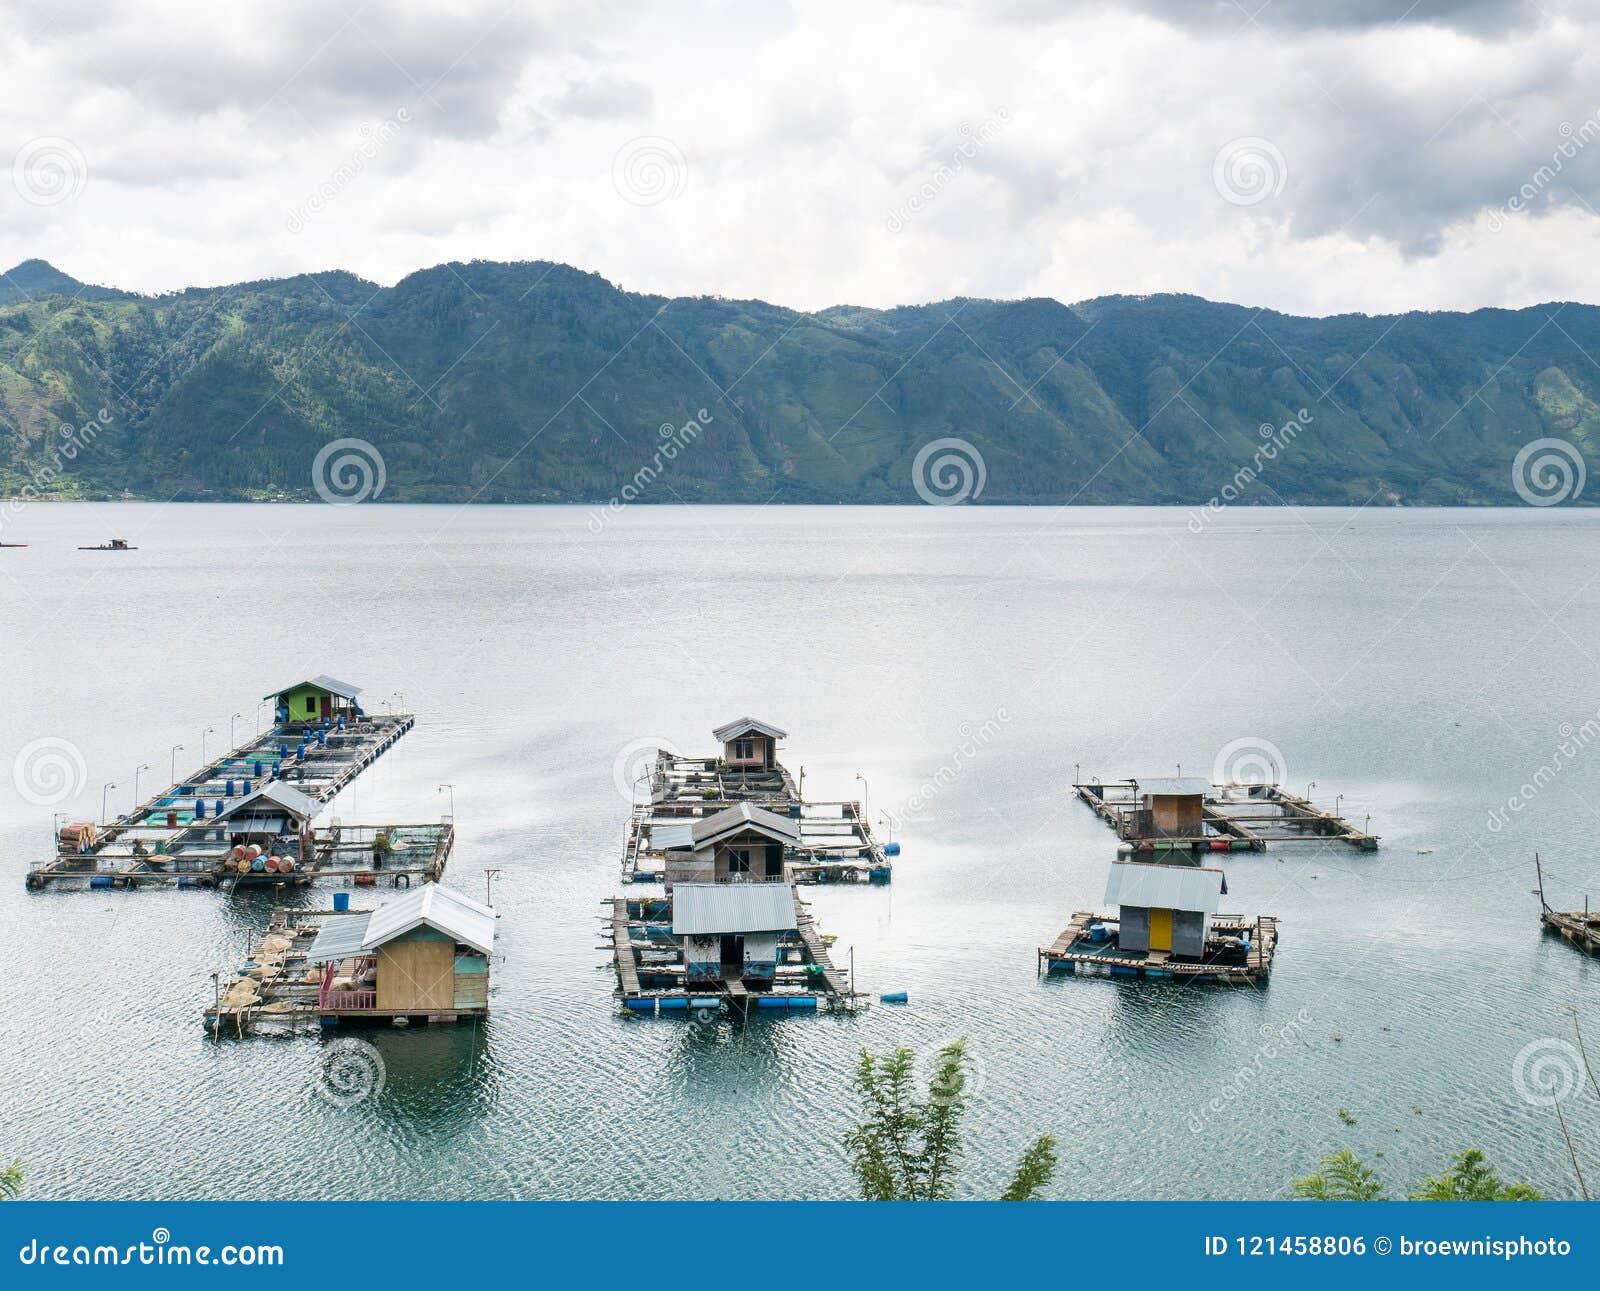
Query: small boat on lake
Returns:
{"type": "Point", "coordinates": [116, 544]}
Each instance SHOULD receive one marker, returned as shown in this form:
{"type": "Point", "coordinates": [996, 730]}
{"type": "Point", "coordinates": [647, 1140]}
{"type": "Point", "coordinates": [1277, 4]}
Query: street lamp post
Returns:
{"type": "Point", "coordinates": [210, 730]}
{"type": "Point", "coordinates": [104, 790]}
{"type": "Point", "coordinates": [866, 797]}
{"type": "Point", "coordinates": [1337, 799]}
{"type": "Point", "coordinates": [451, 790]}
{"type": "Point", "coordinates": [259, 706]}
{"type": "Point", "coordinates": [143, 766]}
{"type": "Point", "coordinates": [1309, 787]}
{"type": "Point", "coordinates": [233, 743]}
{"type": "Point", "coordinates": [176, 749]}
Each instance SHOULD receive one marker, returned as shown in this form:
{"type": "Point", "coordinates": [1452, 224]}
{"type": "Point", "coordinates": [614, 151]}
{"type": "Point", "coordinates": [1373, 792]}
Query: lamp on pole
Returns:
{"type": "Point", "coordinates": [1337, 799]}
{"type": "Point", "coordinates": [1309, 787]}
{"type": "Point", "coordinates": [104, 790]}
{"type": "Point", "coordinates": [233, 743]}
{"type": "Point", "coordinates": [176, 749]}
{"type": "Point", "coordinates": [210, 730]}
{"type": "Point", "coordinates": [451, 790]}
{"type": "Point", "coordinates": [143, 766]}
{"type": "Point", "coordinates": [866, 797]}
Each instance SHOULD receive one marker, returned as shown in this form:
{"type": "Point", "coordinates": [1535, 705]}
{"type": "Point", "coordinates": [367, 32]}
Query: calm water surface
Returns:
{"type": "Point", "coordinates": [1424, 665]}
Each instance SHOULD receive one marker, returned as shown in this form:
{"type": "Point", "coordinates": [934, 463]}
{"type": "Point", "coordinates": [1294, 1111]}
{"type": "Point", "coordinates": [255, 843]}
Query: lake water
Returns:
{"type": "Point", "coordinates": [1423, 665]}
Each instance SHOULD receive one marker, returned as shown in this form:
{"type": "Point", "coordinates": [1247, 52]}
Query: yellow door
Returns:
{"type": "Point", "coordinates": [1160, 930]}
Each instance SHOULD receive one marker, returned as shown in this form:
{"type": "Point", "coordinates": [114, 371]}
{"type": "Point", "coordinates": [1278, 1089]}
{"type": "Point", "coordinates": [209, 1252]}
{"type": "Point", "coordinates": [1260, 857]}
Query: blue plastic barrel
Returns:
{"type": "Point", "coordinates": [218, 810]}
{"type": "Point", "coordinates": [255, 768]}
{"type": "Point", "coordinates": [894, 997]}
{"type": "Point", "coordinates": [100, 881]}
{"type": "Point", "coordinates": [891, 849]}
{"type": "Point", "coordinates": [259, 864]}
{"type": "Point", "coordinates": [199, 808]}
{"type": "Point", "coordinates": [341, 901]}
{"type": "Point", "coordinates": [227, 789]}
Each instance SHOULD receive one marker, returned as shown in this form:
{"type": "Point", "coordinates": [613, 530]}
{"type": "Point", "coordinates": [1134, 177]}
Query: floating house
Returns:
{"type": "Point", "coordinates": [740, 842]}
{"type": "Point", "coordinates": [321, 699]}
{"type": "Point", "coordinates": [749, 745]}
{"type": "Point", "coordinates": [422, 957]}
{"type": "Point", "coordinates": [730, 931]}
{"type": "Point", "coordinates": [1166, 926]}
{"type": "Point", "coordinates": [823, 841]}
{"type": "Point", "coordinates": [1161, 813]}
{"type": "Point", "coordinates": [268, 832]}
{"type": "Point", "coordinates": [425, 953]}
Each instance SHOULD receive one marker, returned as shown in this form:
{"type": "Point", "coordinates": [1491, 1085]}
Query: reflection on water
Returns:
{"type": "Point", "coordinates": [1419, 664]}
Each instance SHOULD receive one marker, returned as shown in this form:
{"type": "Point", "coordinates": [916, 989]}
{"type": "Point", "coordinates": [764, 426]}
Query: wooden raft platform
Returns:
{"type": "Point", "coordinates": [1075, 951]}
{"type": "Point", "coordinates": [142, 850]}
{"type": "Point", "coordinates": [1578, 927]}
{"type": "Point", "coordinates": [1236, 816]}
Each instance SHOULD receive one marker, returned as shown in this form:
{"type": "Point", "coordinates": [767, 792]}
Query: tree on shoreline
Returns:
{"type": "Point", "coordinates": [11, 1180]}
{"type": "Point", "coordinates": [910, 1149]}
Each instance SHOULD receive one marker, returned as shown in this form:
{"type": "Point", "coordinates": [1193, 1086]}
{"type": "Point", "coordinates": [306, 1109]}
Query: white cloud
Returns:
{"type": "Point", "coordinates": [833, 154]}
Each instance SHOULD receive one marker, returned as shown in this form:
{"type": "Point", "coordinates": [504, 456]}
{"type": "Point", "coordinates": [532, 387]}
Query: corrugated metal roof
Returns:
{"type": "Point", "coordinates": [745, 724]}
{"type": "Point", "coordinates": [670, 836]}
{"type": "Point", "coordinates": [743, 816]}
{"type": "Point", "coordinates": [339, 938]}
{"type": "Point", "coordinates": [282, 796]}
{"type": "Point", "coordinates": [1168, 785]}
{"type": "Point", "coordinates": [441, 908]}
{"type": "Point", "coordinates": [1164, 887]}
{"type": "Point", "coordinates": [330, 684]}
{"type": "Point", "coordinates": [702, 909]}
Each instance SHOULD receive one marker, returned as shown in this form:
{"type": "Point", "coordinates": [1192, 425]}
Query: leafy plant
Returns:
{"type": "Point", "coordinates": [1341, 1176]}
{"type": "Point", "coordinates": [1472, 1178]}
{"type": "Point", "coordinates": [909, 1148]}
{"type": "Point", "coordinates": [11, 1181]}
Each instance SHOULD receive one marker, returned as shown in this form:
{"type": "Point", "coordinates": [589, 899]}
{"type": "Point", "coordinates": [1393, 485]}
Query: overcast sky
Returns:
{"type": "Point", "coordinates": [1315, 156]}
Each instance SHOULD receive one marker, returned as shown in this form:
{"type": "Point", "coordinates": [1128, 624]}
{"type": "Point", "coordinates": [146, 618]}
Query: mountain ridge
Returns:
{"type": "Point", "coordinates": [537, 381]}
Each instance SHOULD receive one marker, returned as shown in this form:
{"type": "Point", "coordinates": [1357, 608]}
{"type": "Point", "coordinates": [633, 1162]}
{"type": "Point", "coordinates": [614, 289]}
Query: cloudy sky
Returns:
{"type": "Point", "coordinates": [1315, 156]}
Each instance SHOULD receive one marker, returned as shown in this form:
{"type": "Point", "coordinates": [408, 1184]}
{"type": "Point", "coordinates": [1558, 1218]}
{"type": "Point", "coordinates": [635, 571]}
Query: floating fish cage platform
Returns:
{"type": "Point", "coordinates": [175, 839]}
{"type": "Point", "coordinates": [836, 841]}
{"type": "Point", "coordinates": [653, 978]}
{"type": "Point", "coordinates": [1233, 817]}
{"type": "Point", "coordinates": [1238, 952]}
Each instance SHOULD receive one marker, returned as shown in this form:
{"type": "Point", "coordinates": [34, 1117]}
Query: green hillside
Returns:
{"type": "Point", "coordinates": [538, 382]}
